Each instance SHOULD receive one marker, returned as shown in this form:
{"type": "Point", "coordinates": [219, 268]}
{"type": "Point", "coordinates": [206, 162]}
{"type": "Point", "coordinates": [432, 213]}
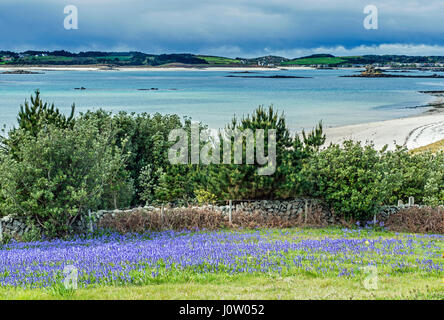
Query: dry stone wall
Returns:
{"type": "Point", "coordinates": [14, 227]}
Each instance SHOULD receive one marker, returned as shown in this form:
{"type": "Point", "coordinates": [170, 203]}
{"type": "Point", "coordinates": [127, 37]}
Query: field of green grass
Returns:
{"type": "Point", "coordinates": [219, 60]}
{"type": "Point", "coordinates": [310, 61]}
{"type": "Point", "coordinates": [40, 59]}
{"type": "Point", "coordinates": [306, 264]}
{"type": "Point", "coordinates": [249, 287]}
{"type": "Point", "coordinates": [120, 58]}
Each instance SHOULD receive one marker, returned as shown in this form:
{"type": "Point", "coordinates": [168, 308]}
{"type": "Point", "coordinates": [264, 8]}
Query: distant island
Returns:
{"type": "Point", "coordinates": [371, 72]}
{"type": "Point", "coordinates": [109, 60]}
{"type": "Point", "coordinates": [21, 72]}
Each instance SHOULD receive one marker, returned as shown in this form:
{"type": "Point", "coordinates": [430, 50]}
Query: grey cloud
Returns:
{"type": "Point", "coordinates": [243, 27]}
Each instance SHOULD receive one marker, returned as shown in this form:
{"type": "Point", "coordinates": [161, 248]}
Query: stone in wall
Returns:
{"type": "Point", "coordinates": [13, 227]}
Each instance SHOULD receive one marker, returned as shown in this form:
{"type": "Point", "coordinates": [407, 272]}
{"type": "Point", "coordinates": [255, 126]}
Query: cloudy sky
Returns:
{"type": "Point", "coordinates": [233, 28]}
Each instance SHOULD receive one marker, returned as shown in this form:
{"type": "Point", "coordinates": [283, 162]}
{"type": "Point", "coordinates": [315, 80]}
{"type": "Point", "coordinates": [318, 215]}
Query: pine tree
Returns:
{"type": "Point", "coordinates": [32, 116]}
{"type": "Point", "coordinates": [231, 181]}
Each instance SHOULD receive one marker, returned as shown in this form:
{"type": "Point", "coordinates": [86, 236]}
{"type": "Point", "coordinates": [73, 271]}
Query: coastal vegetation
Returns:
{"type": "Point", "coordinates": [219, 60]}
{"type": "Point", "coordinates": [328, 60]}
{"type": "Point", "coordinates": [54, 168]}
{"type": "Point", "coordinates": [134, 58]}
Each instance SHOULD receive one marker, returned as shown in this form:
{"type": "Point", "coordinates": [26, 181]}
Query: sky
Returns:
{"type": "Point", "coordinates": [232, 28]}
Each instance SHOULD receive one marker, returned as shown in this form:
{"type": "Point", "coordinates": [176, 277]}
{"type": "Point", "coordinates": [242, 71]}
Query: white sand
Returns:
{"type": "Point", "coordinates": [412, 132]}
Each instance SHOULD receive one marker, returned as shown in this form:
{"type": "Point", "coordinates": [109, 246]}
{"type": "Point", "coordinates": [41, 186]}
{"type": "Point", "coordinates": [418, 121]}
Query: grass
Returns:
{"type": "Point", "coordinates": [408, 282]}
{"type": "Point", "coordinates": [310, 61]}
{"type": "Point", "coordinates": [244, 286]}
{"type": "Point", "coordinates": [42, 59]}
{"type": "Point", "coordinates": [433, 147]}
{"type": "Point", "coordinates": [120, 58]}
{"type": "Point", "coordinates": [219, 60]}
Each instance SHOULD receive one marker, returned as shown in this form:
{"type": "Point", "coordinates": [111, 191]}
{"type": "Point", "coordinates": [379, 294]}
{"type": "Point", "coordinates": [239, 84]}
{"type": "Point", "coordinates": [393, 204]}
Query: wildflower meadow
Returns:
{"type": "Point", "coordinates": [362, 261]}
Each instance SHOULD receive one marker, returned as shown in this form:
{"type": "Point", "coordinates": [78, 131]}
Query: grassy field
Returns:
{"type": "Point", "coordinates": [310, 61]}
{"type": "Point", "coordinates": [219, 60]}
{"type": "Point", "coordinates": [243, 287]}
{"type": "Point", "coordinates": [267, 264]}
{"type": "Point", "coordinates": [46, 59]}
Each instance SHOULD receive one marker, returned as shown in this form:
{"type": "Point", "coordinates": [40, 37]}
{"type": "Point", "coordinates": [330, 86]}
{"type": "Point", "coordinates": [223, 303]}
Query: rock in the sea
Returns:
{"type": "Point", "coordinates": [21, 72]}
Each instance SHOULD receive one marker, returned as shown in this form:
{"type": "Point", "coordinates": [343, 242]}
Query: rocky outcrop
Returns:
{"type": "Point", "coordinates": [21, 72]}
{"type": "Point", "coordinates": [372, 72]}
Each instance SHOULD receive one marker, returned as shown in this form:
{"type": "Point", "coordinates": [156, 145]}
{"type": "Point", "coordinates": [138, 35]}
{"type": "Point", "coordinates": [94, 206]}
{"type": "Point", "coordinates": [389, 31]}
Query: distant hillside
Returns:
{"type": "Point", "coordinates": [95, 57]}
{"type": "Point", "coordinates": [267, 60]}
{"type": "Point", "coordinates": [318, 59]}
{"type": "Point", "coordinates": [219, 60]}
{"type": "Point", "coordinates": [157, 60]}
{"type": "Point", "coordinates": [134, 58]}
{"type": "Point", "coordinates": [327, 59]}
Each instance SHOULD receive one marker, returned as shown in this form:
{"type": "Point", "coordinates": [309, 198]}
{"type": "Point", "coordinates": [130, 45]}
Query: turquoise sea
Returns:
{"type": "Point", "coordinates": [213, 98]}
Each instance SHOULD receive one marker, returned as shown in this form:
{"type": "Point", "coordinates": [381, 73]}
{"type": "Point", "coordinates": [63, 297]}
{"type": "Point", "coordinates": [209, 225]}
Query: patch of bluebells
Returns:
{"type": "Point", "coordinates": [140, 259]}
{"type": "Point", "coordinates": [372, 224]}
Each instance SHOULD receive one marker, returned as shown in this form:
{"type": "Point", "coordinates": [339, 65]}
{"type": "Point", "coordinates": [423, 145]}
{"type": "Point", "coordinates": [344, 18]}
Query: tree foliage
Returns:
{"type": "Point", "coordinates": [356, 180]}
{"type": "Point", "coordinates": [232, 181]}
{"type": "Point", "coordinates": [53, 167]}
{"type": "Point", "coordinates": [59, 174]}
{"type": "Point", "coordinates": [32, 118]}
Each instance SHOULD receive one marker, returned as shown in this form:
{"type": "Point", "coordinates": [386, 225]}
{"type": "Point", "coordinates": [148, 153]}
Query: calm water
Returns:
{"type": "Point", "coordinates": [211, 97]}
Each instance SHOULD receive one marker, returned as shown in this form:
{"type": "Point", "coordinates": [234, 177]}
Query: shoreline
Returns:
{"type": "Point", "coordinates": [411, 132]}
{"type": "Point", "coordinates": [142, 68]}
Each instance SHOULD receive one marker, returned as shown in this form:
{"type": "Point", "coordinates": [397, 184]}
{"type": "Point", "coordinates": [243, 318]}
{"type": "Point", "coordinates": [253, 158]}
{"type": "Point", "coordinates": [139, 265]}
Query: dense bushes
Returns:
{"type": "Point", "coordinates": [144, 139]}
{"type": "Point", "coordinates": [420, 175]}
{"type": "Point", "coordinates": [54, 168]}
{"type": "Point", "coordinates": [348, 178]}
{"type": "Point", "coordinates": [53, 177]}
{"type": "Point", "coordinates": [355, 180]}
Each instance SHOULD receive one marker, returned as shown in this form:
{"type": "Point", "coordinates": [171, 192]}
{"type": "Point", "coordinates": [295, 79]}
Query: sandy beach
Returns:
{"type": "Point", "coordinates": [411, 132]}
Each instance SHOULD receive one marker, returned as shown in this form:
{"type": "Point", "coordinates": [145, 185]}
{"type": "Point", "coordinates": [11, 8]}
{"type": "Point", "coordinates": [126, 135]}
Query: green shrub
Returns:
{"type": "Point", "coordinates": [356, 180]}
{"type": "Point", "coordinates": [434, 187]}
{"type": "Point", "coordinates": [348, 178]}
{"type": "Point", "coordinates": [409, 174]}
{"type": "Point", "coordinates": [205, 197]}
{"type": "Point", "coordinates": [144, 139]}
{"type": "Point", "coordinates": [62, 172]}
